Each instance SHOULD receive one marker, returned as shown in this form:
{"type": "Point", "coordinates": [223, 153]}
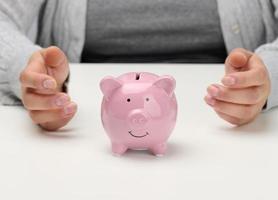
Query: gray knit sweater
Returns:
{"type": "Point", "coordinates": [27, 25]}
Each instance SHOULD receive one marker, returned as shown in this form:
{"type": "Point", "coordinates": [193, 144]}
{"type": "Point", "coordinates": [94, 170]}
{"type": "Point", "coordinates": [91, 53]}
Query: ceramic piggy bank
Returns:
{"type": "Point", "coordinates": [138, 111]}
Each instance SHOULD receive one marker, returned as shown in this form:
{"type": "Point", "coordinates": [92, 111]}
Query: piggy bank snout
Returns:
{"type": "Point", "coordinates": [137, 118]}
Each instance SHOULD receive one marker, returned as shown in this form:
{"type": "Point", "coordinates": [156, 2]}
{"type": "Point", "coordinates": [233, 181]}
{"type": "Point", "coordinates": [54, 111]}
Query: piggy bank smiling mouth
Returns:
{"type": "Point", "coordinates": [138, 136]}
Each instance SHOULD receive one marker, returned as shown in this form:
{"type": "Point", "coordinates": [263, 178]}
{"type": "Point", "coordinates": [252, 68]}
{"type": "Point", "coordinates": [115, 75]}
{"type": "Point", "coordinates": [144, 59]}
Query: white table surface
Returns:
{"type": "Point", "coordinates": [207, 157]}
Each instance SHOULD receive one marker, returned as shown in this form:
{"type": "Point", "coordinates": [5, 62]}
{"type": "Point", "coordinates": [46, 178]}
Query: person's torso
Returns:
{"type": "Point", "coordinates": [153, 31]}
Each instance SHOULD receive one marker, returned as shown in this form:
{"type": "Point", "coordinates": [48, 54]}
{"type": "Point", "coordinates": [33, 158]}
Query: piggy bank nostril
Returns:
{"type": "Point", "coordinates": [142, 121]}
{"type": "Point", "coordinates": [134, 121]}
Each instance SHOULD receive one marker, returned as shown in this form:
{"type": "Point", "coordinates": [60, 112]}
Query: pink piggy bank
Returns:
{"type": "Point", "coordinates": [139, 111]}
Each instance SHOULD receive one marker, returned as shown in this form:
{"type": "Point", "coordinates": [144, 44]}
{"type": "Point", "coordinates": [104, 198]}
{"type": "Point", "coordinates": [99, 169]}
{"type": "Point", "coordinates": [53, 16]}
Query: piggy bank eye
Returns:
{"type": "Point", "coordinates": [128, 100]}
{"type": "Point", "coordinates": [147, 99]}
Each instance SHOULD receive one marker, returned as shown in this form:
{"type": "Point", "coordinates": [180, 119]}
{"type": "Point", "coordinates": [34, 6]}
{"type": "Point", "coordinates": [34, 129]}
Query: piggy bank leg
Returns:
{"type": "Point", "coordinates": [118, 149]}
{"type": "Point", "coordinates": [159, 150]}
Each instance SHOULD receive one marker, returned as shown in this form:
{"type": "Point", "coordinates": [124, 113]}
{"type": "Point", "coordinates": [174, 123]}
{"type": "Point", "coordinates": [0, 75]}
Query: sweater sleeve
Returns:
{"type": "Point", "coordinates": [269, 55]}
{"type": "Point", "coordinates": [18, 27]}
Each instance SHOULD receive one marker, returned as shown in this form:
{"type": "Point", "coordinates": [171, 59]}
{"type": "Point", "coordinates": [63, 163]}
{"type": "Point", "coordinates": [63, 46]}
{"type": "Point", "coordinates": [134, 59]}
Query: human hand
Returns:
{"type": "Point", "coordinates": [42, 89]}
{"type": "Point", "coordinates": [245, 89]}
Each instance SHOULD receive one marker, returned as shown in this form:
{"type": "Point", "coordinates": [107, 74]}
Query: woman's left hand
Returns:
{"type": "Point", "coordinates": [245, 89]}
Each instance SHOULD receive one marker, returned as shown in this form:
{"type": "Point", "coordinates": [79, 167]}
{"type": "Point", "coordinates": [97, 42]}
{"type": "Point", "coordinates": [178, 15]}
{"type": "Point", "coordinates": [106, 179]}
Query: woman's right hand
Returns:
{"type": "Point", "coordinates": [42, 89]}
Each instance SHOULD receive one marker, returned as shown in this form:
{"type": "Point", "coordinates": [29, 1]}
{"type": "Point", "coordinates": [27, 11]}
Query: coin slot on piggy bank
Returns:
{"type": "Point", "coordinates": [139, 111]}
{"type": "Point", "coordinates": [137, 76]}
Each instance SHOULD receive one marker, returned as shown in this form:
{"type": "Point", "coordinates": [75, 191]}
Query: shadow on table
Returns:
{"type": "Point", "coordinates": [61, 134]}
{"type": "Point", "coordinates": [174, 151]}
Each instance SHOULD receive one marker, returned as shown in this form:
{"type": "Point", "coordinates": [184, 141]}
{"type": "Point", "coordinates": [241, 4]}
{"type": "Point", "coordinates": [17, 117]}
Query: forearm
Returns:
{"type": "Point", "coordinates": [15, 48]}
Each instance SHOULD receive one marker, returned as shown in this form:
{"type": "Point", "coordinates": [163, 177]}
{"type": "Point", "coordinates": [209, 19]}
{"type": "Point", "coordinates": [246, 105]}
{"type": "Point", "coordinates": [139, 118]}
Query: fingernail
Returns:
{"type": "Point", "coordinates": [229, 80]}
{"type": "Point", "coordinates": [213, 91]}
{"type": "Point", "coordinates": [62, 100]}
{"type": "Point", "coordinates": [49, 84]}
{"type": "Point", "coordinates": [71, 108]}
{"type": "Point", "coordinates": [210, 100]}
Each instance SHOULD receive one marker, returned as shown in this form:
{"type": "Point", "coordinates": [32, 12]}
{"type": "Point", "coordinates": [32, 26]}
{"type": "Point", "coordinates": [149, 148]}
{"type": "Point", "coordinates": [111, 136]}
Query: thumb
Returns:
{"type": "Point", "coordinates": [56, 63]}
{"type": "Point", "coordinates": [237, 60]}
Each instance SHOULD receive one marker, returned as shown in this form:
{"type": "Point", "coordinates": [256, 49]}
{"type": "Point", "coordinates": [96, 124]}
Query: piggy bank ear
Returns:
{"type": "Point", "coordinates": [108, 85]}
{"type": "Point", "coordinates": [167, 83]}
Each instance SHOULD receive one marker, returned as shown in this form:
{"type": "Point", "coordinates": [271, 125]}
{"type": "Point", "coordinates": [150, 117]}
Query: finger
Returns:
{"type": "Point", "coordinates": [53, 126]}
{"type": "Point", "coordinates": [54, 57]}
{"type": "Point", "coordinates": [247, 96]}
{"type": "Point", "coordinates": [254, 77]}
{"type": "Point", "coordinates": [37, 80]}
{"type": "Point", "coordinates": [33, 101]}
{"type": "Point", "coordinates": [233, 120]}
{"type": "Point", "coordinates": [56, 63]}
{"type": "Point", "coordinates": [44, 116]}
{"type": "Point", "coordinates": [235, 110]}
{"type": "Point", "coordinates": [237, 60]}
{"type": "Point", "coordinates": [230, 119]}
